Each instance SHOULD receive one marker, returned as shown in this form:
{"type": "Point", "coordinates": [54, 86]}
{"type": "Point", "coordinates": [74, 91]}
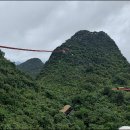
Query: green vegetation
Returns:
{"type": "Point", "coordinates": [83, 76]}
{"type": "Point", "coordinates": [32, 67]}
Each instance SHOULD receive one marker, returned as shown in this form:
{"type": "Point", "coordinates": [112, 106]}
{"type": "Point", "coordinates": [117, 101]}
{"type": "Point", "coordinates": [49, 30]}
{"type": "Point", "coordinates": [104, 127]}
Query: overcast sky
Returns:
{"type": "Point", "coordinates": [46, 25]}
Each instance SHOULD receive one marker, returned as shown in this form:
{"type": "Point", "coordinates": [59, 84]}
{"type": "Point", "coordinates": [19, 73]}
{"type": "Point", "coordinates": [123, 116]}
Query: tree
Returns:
{"type": "Point", "coordinates": [107, 91]}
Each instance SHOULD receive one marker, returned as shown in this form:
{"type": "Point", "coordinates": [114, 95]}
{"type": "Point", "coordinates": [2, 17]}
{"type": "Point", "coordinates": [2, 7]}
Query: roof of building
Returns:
{"type": "Point", "coordinates": [66, 107]}
{"type": "Point", "coordinates": [124, 128]}
{"type": "Point", "coordinates": [121, 88]}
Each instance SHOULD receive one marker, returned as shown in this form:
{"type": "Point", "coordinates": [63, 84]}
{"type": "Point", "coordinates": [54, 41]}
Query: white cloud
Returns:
{"type": "Point", "coordinates": [46, 25]}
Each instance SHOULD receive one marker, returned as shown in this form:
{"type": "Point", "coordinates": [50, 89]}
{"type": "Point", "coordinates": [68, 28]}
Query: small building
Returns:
{"type": "Point", "coordinates": [122, 88]}
{"type": "Point", "coordinates": [114, 88]}
{"type": "Point", "coordinates": [66, 109]}
{"type": "Point", "coordinates": [124, 128]}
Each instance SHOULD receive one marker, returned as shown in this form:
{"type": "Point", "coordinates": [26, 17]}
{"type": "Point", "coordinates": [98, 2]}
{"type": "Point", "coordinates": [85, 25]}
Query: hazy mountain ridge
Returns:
{"type": "Point", "coordinates": [32, 66]}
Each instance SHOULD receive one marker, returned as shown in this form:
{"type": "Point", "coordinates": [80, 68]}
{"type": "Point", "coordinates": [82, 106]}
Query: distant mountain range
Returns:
{"type": "Point", "coordinates": [32, 66]}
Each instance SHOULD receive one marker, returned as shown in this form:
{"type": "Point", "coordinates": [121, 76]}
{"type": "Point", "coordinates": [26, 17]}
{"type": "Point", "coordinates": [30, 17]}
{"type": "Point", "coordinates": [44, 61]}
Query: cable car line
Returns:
{"type": "Point", "coordinates": [25, 49]}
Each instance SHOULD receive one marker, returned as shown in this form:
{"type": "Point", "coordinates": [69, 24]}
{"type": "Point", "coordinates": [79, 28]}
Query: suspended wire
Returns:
{"type": "Point", "coordinates": [23, 49]}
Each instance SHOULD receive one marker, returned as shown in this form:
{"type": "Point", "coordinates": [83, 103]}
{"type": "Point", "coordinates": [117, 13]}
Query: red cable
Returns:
{"type": "Point", "coordinates": [23, 49]}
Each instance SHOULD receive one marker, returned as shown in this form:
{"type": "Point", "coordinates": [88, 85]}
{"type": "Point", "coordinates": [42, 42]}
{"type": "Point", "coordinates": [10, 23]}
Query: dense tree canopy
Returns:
{"type": "Point", "coordinates": [82, 76]}
{"type": "Point", "coordinates": [32, 67]}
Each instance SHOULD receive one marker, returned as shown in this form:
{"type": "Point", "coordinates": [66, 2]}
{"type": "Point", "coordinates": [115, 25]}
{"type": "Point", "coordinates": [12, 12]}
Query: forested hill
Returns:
{"type": "Point", "coordinates": [15, 90]}
{"type": "Point", "coordinates": [32, 67]}
{"type": "Point", "coordinates": [83, 76]}
{"type": "Point", "coordinates": [90, 57]}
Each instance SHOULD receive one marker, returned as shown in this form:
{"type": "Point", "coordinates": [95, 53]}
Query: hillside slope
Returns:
{"type": "Point", "coordinates": [32, 67]}
{"type": "Point", "coordinates": [22, 104]}
{"type": "Point", "coordinates": [83, 76]}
